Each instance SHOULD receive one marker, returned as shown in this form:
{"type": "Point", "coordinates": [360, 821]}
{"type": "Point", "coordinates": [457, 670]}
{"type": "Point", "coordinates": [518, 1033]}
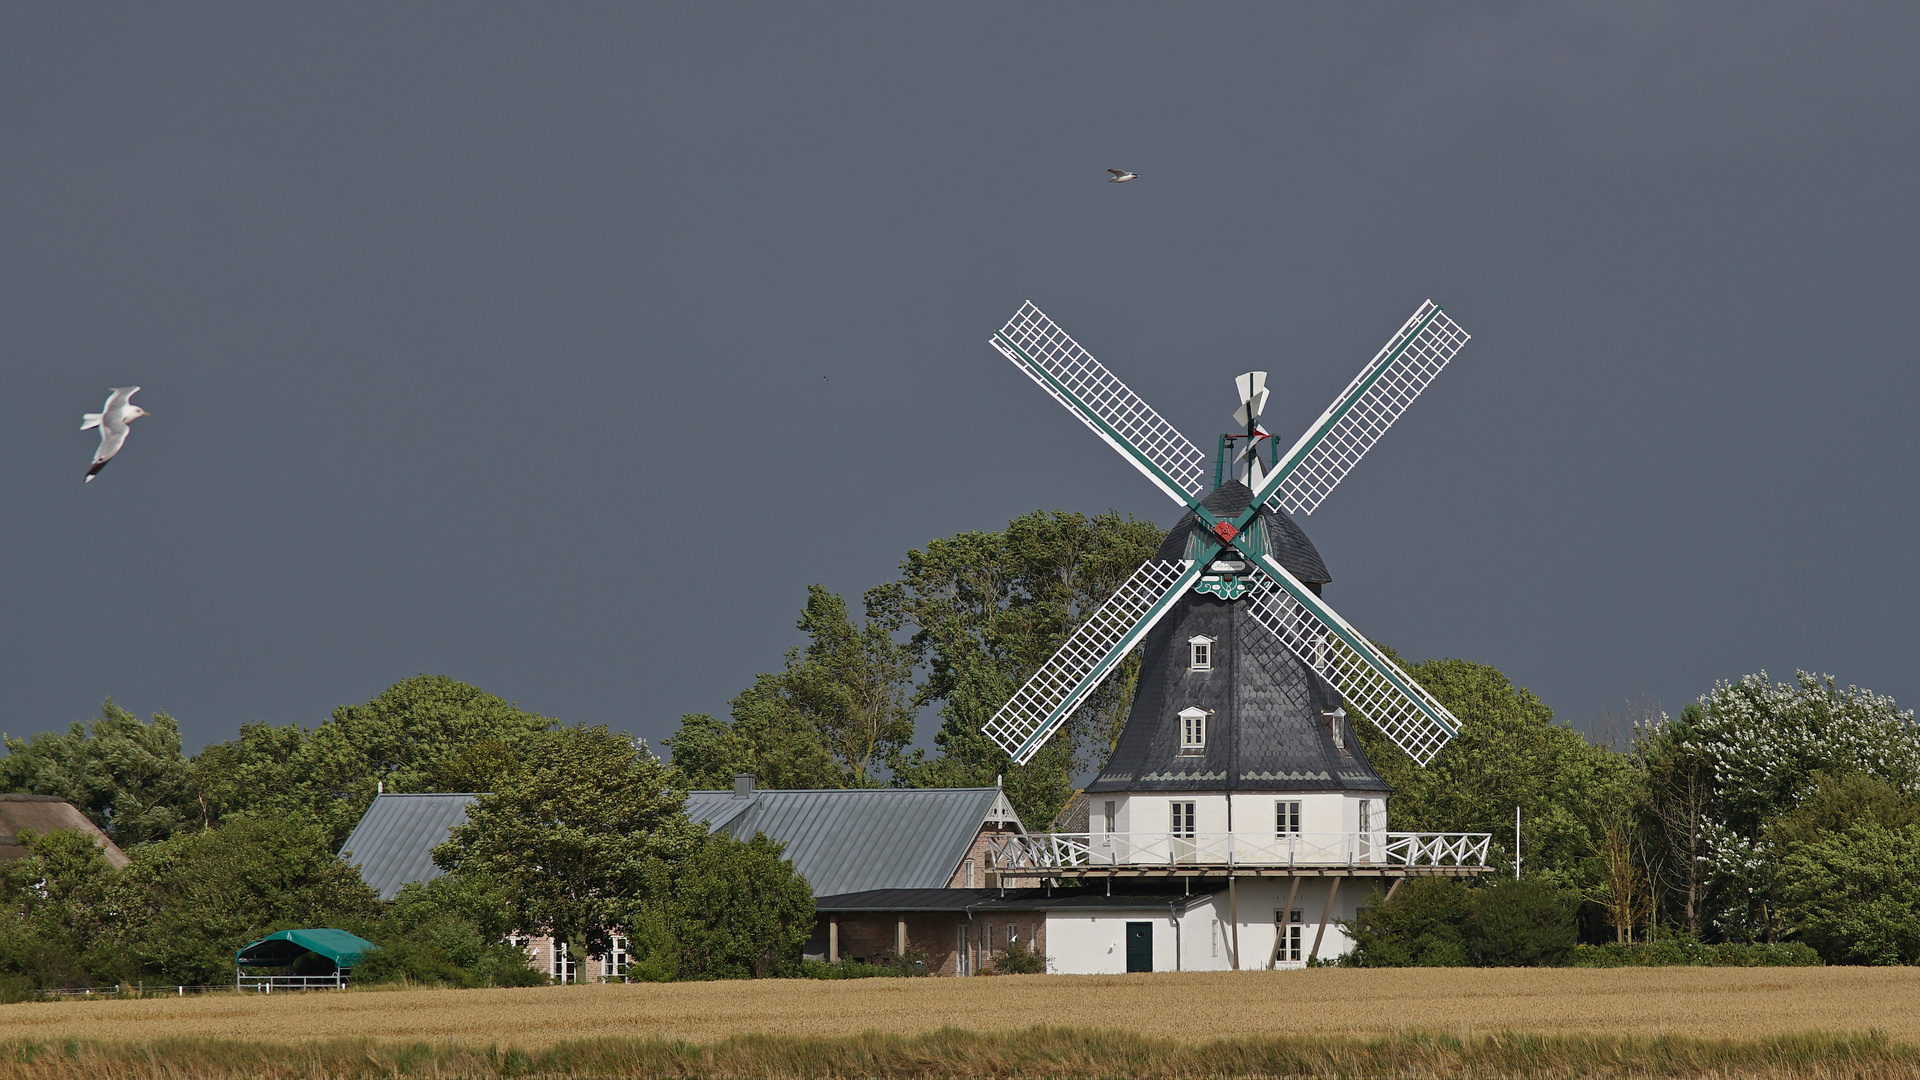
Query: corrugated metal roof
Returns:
{"type": "Point", "coordinates": [394, 841]}
{"type": "Point", "coordinates": [846, 841]}
{"type": "Point", "coordinates": [840, 841]}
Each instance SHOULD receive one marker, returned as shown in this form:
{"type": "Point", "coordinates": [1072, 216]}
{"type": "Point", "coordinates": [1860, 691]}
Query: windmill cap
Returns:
{"type": "Point", "coordinates": [1271, 531]}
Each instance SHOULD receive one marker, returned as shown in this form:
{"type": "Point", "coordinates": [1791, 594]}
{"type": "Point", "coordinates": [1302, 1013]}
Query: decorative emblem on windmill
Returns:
{"type": "Point", "coordinates": [1227, 555]}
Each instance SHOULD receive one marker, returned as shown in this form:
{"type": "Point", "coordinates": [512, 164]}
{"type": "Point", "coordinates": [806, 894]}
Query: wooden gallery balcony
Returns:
{"type": "Point", "coordinates": [1244, 854]}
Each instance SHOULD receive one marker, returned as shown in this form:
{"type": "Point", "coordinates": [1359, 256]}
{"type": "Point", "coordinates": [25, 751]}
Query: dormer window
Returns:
{"type": "Point", "coordinates": [1200, 653]}
{"type": "Point", "coordinates": [1193, 730]}
{"type": "Point", "coordinates": [1337, 727]}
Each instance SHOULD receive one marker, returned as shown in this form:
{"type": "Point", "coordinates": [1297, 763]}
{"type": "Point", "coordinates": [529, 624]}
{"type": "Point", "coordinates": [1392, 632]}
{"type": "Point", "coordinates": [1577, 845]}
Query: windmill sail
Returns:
{"type": "Point", "coordinates": [1370, 682]}
{"type": "Point", "coordinates": [1365, 409]}
{"type": "Point", "coordinates": [1090, 654]}
{"type": "Point", "coordinates": [1102, 402]}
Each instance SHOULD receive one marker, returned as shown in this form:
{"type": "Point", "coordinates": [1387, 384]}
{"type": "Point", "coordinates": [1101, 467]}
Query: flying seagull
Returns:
{"type": "Point", "coordinates": [112, 420]}
{"type": "Point", "coordinates": [1121, 176]}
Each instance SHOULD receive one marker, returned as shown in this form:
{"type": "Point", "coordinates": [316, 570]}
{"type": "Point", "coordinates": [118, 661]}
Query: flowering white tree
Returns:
{"type": "Point", "coordinates": [1760, 744]}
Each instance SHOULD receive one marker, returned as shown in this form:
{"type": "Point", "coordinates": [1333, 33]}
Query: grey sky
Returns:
{"type": "Point", "coordinates": [557, 348]}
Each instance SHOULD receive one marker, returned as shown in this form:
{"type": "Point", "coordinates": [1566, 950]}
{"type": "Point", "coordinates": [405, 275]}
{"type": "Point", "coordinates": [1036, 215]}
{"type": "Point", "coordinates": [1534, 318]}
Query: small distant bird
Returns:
{"type": "Point", "coordinates": [1121, 176]}
{"type": "Point", "coordinates": [112, 420]}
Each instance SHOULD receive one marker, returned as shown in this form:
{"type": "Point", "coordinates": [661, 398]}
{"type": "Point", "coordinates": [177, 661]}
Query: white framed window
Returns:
{"type": "Point", "coordinates": [963, 950]}
{"type": "Point", "coordinates": [1200, 653]}
{"type": "Point", "coordinates": [986, 940]}
{"type": "Point", "coordinates": [1111, 814]}
{"type": "Point", "coordinates": [560, 963]}
{"type": "Point", "coordinates": [614, 966]}
{"type": "Point", "coordinates": [1366, 816]}
{"type": "Point", "coordinates": [1182, 818]}
{"type": "Point", "coordinates": [1286, 816]}
{"type": "Point", "coordinates": [1216, 937]}
{"type": "Point", "coordinates": [1288, 925]}
{"type": "Point", "coordinates": [969, 873]}
{"type": "Point", "coordinates": [1337, 727]}
{"type": "Point", "coordinates": [1193, 729]}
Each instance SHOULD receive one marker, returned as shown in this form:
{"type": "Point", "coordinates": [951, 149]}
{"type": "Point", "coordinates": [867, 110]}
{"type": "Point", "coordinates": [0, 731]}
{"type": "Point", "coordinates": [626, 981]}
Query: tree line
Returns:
{"type": "Point", "coordinates": [1761, 813]}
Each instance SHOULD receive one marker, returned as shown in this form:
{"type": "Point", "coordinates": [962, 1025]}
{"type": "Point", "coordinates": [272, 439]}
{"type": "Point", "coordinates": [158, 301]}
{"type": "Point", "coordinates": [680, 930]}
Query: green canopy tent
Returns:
{"type": "Point", "coordinates": [330, 948]}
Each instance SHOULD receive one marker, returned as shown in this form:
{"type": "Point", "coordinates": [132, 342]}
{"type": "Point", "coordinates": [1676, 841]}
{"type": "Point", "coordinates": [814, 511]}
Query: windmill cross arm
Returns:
{"type": "Point", "coordinates": [1042, 705]}
{"type": "Point", "coordinates": [1363, 412]}
{"type": "Point", "coordinates": [1367, 679]}
{"type": "Point", "coordinates": [1109, 408]}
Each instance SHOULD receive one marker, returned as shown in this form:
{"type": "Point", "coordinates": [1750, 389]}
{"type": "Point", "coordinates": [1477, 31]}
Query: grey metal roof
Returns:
{"type": "Point", "coordinates": [394, 841]}
{"type": "Point", "coordinates": [840, 841]}
{"type": "Point", "coordinates": [853, 840]}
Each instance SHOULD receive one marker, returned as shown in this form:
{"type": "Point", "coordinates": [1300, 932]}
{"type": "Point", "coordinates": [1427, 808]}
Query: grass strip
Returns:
{"type": "Point", "coordinates": [1040, 1053]}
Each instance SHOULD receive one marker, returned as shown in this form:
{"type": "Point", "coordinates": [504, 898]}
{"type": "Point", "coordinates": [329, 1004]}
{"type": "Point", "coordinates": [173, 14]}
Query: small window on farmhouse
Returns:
{"type": "Point", "coordinates": [614, 966]}
{"type": "Point", "coordinates": [561, 963]}
{"type": "Point", "coordinates": [969, 873]}
{"type": "Point", "coordinates": [1193, 730]}
{"type": "Point", "coordinates": [1286, 816]}
{"type": "Point", "coordinates": [1200, 654]}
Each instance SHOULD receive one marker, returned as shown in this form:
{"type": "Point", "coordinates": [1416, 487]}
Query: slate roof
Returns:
{"type": "Point", "coordinates": [846, 841]}
{"type": "Point", "coordinates": [394, 841]}
{"type": "Point", "coordinates": [840, 841]}
{"type": "Point", "coordinates": [987, 901]}
{"type": "Point", "coordinates": [1266, 731]}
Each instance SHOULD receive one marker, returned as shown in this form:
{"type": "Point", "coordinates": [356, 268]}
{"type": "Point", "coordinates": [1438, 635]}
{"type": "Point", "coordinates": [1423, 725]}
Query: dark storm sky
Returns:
{"type": "Point", "coordinates": [557, 348]}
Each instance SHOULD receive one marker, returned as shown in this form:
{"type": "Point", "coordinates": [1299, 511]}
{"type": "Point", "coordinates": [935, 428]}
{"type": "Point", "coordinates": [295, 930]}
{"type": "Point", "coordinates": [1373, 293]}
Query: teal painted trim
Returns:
{"type": "Point", "coordinates": [1106, 665]}
{"type": "Point", "coordinates": [1140, 461]}
{"type": "Point", "coordinates": [1333, 417]}
{"type": "Point", "coordinates": [1396, 677]}
{"type": "Point", "coordinates": [1220, 464]}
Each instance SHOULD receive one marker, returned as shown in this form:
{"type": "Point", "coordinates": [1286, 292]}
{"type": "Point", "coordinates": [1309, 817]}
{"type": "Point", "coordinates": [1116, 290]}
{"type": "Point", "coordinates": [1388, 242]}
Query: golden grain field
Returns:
{"type": "Point", "coordinates": [1731, 1003]}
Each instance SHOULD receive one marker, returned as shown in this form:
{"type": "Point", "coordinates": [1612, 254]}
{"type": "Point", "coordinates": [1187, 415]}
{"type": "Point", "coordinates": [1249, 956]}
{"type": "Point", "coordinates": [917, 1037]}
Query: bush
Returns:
{"type": "Point", "coordinates": [733, 909]}
{"type": "Point", "coordinates": [857, 969]}
{"type": "Point", "coordinates": [1018, 959]}
{"type": "Point", "coordinates": [448, 932]}
{"type": "Point", "coordinates": [1440, 922]}
{"type": "Point", "coordinates": [1684, 952]}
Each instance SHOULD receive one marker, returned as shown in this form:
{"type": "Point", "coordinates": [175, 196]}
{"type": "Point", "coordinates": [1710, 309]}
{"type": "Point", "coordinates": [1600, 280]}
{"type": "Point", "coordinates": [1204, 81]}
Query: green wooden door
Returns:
{"type": "Point", "coordinates": [1139, 946]}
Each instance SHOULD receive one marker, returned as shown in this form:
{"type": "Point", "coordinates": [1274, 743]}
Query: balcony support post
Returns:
{"type": "Point", "coordinates": [1325, 914]}
{"type": "Point", "coordinates": [1233, 917]}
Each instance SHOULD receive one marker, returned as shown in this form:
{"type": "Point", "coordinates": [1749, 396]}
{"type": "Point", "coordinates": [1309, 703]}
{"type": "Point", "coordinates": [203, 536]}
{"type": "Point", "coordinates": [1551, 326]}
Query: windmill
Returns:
{"type": "Point", "coordinates": [1236, 539]}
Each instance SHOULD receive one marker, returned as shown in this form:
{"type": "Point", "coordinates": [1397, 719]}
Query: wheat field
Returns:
{"type": "Point", "coordinates": [1711, 1003]}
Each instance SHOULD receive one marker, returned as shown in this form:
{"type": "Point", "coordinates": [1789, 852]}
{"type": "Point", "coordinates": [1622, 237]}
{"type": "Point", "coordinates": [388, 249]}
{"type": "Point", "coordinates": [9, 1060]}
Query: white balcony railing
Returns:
{"type": "Point", "coordinates": [1267, 851]}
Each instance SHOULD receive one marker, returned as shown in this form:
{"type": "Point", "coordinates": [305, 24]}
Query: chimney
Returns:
{"type": "Point", "coordinates": [743, 786]}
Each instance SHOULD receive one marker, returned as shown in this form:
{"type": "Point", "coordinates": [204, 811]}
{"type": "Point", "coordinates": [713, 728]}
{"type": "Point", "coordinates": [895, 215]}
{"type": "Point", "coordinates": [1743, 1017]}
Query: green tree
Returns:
{"type": "Point", "coordinates": [839, 708]}
{"type": "Point", "coordinates": [128, 776]}
{"type": "Point", "coordinates": [570, 835]}
{"type": "Point", "coordinates": [185, 904]}
{"type": "Point", "coordinates": [1509, 753]}
{"type": "Point", "coordinates": [986, 610]}
{"type": "Point", "coordinates": [429, 733]}
{"type": "Point", "coordinates": [731, 909]}
{"type": "Point", "coordinates": [53, 913]}
{"type": "Point", "coordinates": [451, 931]}
{"type": "Point", "coordinates": [1762, 744]}
{"type": "Point", "coordinates": [1848, 870]}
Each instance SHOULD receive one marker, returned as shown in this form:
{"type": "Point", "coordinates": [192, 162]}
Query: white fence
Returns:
{"type": "Point", "coordinates": [267, 984]}
{"type": "Point", "coordinates": [1272, 851]}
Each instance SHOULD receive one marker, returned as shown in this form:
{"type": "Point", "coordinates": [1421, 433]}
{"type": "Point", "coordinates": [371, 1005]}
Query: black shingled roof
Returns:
{"type": "Point", "coordinates": [1266, 731]}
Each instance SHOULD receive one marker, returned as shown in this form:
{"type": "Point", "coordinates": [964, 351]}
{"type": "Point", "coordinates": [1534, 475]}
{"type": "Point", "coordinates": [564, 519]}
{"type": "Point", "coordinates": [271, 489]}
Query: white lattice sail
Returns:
{"type": "Point", "coordinates": [1371, 683]}
{"type": "Point", "coordinates": [1365, 410]}
{"type": "Point", "coordinates": [1102, 402]}
{"type": "Point", "coordinates": [1090, 654]}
